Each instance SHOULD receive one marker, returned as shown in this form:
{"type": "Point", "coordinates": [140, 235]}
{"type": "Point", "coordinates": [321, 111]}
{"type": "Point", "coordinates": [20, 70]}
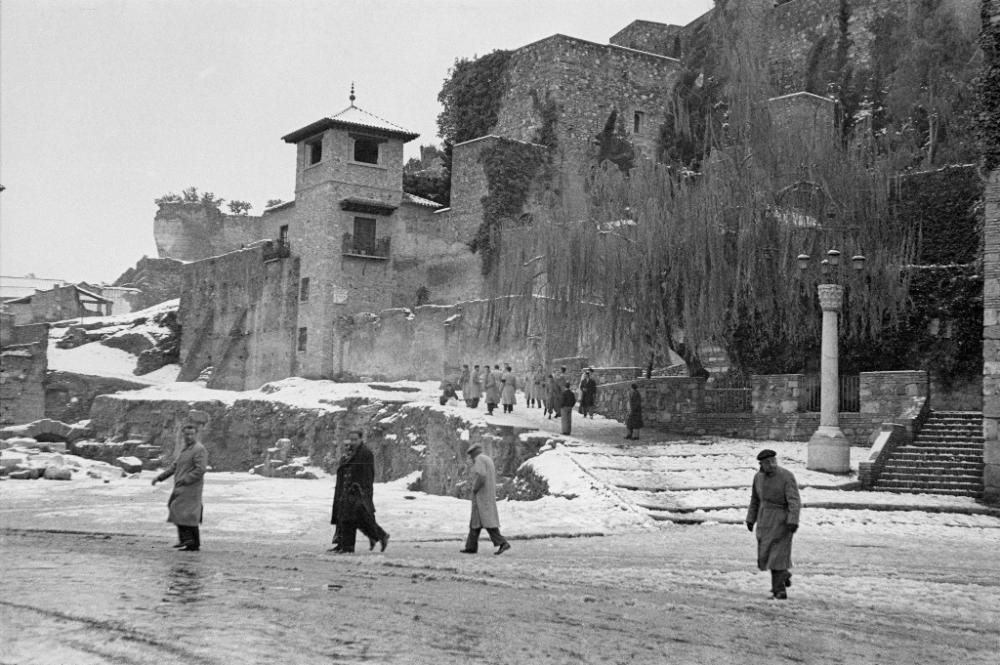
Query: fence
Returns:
{"type": "Point", "coordinates": [729, 394]}
{"type": "Point", "coordinates": [849, 392]}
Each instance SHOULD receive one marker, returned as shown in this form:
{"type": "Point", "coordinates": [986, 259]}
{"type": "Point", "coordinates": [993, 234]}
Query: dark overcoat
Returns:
{"type": "Point", "coordinates": [774, 504]}
{"type": "Point", "coordinates": [588, 393]}
{"type": "Point", "coordinates": [633, 420]}
{"type": "Point", "coordinates": [188, 471]}
{"type": "Point", "coordinates": [358, 469]}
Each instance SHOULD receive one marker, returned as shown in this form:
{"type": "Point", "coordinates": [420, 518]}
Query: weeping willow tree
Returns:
{"type": "Point", "coordinates": [663, 259]}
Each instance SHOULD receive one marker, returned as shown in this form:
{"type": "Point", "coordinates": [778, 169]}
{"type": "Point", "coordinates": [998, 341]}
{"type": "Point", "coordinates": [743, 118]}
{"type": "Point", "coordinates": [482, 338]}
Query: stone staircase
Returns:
{"type": "Point", "coordinates": [945, 458]}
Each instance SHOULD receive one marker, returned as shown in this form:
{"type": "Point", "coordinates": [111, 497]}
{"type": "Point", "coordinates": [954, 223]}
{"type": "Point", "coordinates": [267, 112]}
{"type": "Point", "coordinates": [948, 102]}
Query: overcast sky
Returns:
{"type": "Point", "coordinates": [106, 105]}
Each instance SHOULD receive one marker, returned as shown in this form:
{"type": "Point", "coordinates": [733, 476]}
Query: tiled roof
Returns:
{"type": "Point", "coordinates": [350, 117]}
{"type": "Point", "coordinates": [420, 201]}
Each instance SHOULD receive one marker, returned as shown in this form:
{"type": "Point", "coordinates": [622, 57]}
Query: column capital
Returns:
{"type": "Point", "coordinates": [831, 297]}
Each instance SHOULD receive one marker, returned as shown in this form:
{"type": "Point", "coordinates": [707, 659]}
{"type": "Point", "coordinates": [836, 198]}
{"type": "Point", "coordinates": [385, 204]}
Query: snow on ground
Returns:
{"type": "Point", "coordinates": [122, 319]}
{"type": "Point", "coordinates": [95, 359]}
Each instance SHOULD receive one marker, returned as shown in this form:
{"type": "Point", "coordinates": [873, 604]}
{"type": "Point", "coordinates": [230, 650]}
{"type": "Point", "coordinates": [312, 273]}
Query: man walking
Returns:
{"type": "Point", "coordinates": [484, 503]}
{"type": "Point", "coordinates": [568, 398]}
{"type": "Point", "coordinates": [774, 509]}
{"type": "Point", "coordinates": [353, 507]}
{"type": "Point", "coordinates": [184, 504]}
{"type": "Point", "coordinates": [491, 389]}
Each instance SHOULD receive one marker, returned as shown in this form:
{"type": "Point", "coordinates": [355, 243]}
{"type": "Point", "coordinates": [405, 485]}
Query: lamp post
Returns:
{"type": "Point", "coordinates": [829, 449]}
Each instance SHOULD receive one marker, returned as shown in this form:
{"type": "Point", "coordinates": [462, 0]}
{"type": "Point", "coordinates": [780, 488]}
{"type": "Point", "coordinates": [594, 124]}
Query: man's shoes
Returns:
{"type": "Point", "coordinates": [503, 548]}
{"type": "Point", "coordinates": [335, 549]}
{"type": "Point", "coordinates": [468, 551]}
{"type": "Point", "coordinates": [179, 545]}
{"type": "Point", "coordinates": [781, 595]}
{"type": "Point", "coordinates": [383, 541]}
{"type": "Point", "coordinates": [788, 580]}
{"type": "Point", "coordinates": [371, 544]}
{"type": "Point", "coordinates": [190, 548]}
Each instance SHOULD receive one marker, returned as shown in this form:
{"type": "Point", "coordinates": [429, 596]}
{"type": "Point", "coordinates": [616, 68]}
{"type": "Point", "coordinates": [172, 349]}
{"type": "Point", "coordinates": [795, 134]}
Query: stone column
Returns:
{"type": "Point", "coordinates": [828, 448]}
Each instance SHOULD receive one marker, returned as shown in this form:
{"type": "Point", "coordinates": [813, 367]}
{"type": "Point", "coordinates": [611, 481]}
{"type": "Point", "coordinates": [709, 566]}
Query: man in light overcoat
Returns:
{"type": "Point", "coordinates": [774, 509]}
{"type": "Point", "coordinates": [484, 503]}
{"type": "Point", "coordinates": [184, 505]}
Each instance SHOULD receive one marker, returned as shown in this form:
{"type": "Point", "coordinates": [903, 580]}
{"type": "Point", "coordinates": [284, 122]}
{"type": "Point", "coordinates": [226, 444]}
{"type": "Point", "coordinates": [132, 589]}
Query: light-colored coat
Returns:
{"type": "Point", "coordinates": [491, 385]}
{"type": "Point", "coordinates": [471, 389]}
{"type": "Point", "coordinates": [484, 494]}
{"type": "Point", "coordinates": [189, 480]}
{"type": "Point", "coordinates": [508, 394]}
{"type": "Point", "coordinates": [774, 504]}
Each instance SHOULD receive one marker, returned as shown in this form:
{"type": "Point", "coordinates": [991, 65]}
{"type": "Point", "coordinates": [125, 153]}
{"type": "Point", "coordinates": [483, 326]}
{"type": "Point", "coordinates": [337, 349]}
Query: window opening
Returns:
{"type": "Point", "coordinates": [303, 338]}
{"type": "Point", "coordinates": [364, 235]}
{"type": "Point", "coordinates": [315, 149]}
{"type": "Point", "coordinates": [366, 150]}
{"type": "Point", "coordinates": [637, 123]}
{"type": "Point", "coordinates": [304, 289]}
{"type": "Point", "coordinates": [283, 234]}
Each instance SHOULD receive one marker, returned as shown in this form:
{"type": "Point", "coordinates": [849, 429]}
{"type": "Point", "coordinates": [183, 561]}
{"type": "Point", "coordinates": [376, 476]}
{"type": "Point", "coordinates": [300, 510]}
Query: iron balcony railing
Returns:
{"type": "Point", "coordinates": [849, 392]}
{"type": "Point", "coordinates": [377, 248]}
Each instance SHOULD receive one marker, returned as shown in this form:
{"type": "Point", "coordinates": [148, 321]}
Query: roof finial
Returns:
{"type": "Point", "coordinates": [352, 93]}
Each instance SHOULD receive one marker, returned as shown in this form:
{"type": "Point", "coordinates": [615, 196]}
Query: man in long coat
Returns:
{"type": "Point", "coordinates": [491, 388]}
{"type": "Point", "coordinates": [774, 509]}
{"type": "Point", "coordinates": [553, 401]}
{"type": "Point", "coordinates": [633, 419]}
{"type": "Point", "coordinates": [184, 505]}
{"type": "Point", "coordinates": [472, 390]}
{"type": "Point", "coordinates": [484, 503]}
{"type": "Point", "coordinates": [353, 507]}
{"type": "Point", "coordinates": [463, 382]}
{"type": "Point", "coordinates": [508, 390]}
{"type": "Point", "coordinates": [588, 394]}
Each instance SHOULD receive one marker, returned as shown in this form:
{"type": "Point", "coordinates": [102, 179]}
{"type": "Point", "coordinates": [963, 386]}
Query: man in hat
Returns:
{"type": "Point", "coordinates": [184, 504]}
{"type": "Point", "coordinates": [353, 506]}
{"type": "Point", "coordinates": [484, 503]}
{"type": "Point", "coordinates": [774, 509]}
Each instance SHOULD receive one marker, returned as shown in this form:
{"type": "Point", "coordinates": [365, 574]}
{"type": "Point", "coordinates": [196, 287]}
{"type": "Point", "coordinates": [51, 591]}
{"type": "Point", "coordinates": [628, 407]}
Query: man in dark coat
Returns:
{"type": "Point", "coordinates": [353, 507]}
{"type": "Point", "coordinates": [633, 419]}
{"type": "Point", "coordinates": [774, 509]}
{"type": "Point", "coordinates": [184, 503]}
{"type": "Point", "coordinates": [588, 394]}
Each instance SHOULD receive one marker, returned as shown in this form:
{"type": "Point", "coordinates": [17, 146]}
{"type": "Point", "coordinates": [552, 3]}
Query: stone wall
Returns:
{"type": "Point", "coordinates": [194, 231]}
{"type": "Point", "coordinates": [678, 404]}
{"type": "Point", "coordinates": [404, 437]}
{"type": "Point", "coordinates": [69, 397]}
{"type": "Point", "coordinates": [158, 280]}
{"type": "Point", "coordinates": [238, 315]}
{"type": "Point", "coordinates": [23, 362]}
{"type": "Point", "coordinates": [991, 333]}
{"type": "Point", "coordinates": [659, 38]}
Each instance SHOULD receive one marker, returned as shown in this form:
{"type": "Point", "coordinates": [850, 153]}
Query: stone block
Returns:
{"type": "Point", "coordinates": [19, 441]}
{"type": "Point", "coordinates": [25, 474]}
{"type": "Point", "coordinates": [129, 464]}
{"type": "Point", "coordinates": [10, 459]}
{"type": "Point", "coordinates": [58, 473]}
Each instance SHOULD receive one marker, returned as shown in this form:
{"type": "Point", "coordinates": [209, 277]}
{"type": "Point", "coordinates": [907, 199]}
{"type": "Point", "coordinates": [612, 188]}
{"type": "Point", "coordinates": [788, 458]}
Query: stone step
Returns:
{"type": "Point", "coordinates": [948, 437]}
{"type": "Point", "coordinates": [949, 492]}
{"type": "Point", "coordinates": [929, 485]}
{"type": "Point", "coordinates": [958, 448]}
{"type": "Point", "coordinates": [944, 466]}
{"type": "Point", "coordinates": [911, 452]}
{"type": "Point", "coordinates": [930, 477]}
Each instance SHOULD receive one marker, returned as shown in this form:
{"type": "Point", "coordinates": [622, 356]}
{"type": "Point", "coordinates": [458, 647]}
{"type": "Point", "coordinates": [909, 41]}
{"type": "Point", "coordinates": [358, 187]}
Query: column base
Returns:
{"type": "Point", "coordinates": [829, 451]}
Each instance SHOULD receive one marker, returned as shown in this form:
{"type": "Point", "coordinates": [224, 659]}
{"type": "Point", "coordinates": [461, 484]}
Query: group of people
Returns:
{"type": "Point", "coordinates": [773, 512]}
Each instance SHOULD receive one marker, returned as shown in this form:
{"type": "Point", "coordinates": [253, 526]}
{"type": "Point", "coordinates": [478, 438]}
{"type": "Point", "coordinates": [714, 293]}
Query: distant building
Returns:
{"type": "Point", "coordinates": [12, 288]}
{"type": "Point", "coordinates": [58, 304]}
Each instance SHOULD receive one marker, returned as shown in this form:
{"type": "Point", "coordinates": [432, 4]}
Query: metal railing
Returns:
{"type": "Point", "coordinates": [377, 248]}
{"type": "Point", "coordinates": [849, 393]}
{"type": "Point", "coordinates": [729, 394]}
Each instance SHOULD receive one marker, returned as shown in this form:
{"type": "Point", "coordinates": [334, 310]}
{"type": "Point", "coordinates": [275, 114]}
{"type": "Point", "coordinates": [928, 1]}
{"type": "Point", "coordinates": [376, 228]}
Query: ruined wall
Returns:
{"type": "Point", "coordinates": [193, 231]}
{"type": "Point", "coordinates": [23, 362]}
{"type": "Point", "coordinates": [404, 437]}
{"type": "Point", "coordinates": [659, 38]}
{"type": "Point", "coordinates": [58, 304]}
{"type": "Point", "coordinates": [158, 280]}
{"type": "Point", "coordinates": [238, 314]}
{"type": "Point", "coordinates": [69, 396]}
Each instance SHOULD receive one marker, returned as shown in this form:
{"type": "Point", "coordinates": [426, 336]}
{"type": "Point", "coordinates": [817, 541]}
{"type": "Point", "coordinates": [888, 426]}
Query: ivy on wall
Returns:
{"type": "Point", "coordinates": [470, 97]}
{"type": "Point", "coordinates": [945, 208]}
{"type": "Point", "coordinates": [988, 115]}
{"type": "Point", "coordinates": [510, 168]}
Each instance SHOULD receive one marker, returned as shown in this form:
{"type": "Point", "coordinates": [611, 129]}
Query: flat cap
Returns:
{"type": "Point", "coordinates": [473, 446]}
{"type": "Point", "coordinates": [764, 454]}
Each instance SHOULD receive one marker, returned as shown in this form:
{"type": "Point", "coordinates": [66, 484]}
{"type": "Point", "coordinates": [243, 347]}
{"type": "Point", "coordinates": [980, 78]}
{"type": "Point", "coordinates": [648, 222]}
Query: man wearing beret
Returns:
{"type": "Point", "coordinates": [484, 503]}
{"type": "Point", "coordinates": [774, 509]}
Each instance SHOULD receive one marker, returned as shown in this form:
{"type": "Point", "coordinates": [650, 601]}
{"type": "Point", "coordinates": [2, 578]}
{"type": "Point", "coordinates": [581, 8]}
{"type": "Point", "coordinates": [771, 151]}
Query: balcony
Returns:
{"type": "Point", "coordinates": [369, 248]}
{"type": "Point", "coordinates": [276, 249]}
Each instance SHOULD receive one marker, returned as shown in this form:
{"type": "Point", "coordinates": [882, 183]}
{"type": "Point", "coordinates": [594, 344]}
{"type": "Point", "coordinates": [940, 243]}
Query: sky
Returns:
{"type": "Point", "coordinates": [106, 105]}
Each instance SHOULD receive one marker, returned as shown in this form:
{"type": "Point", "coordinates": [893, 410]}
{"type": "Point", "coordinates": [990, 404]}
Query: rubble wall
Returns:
{"type": "Point", "coordinates": [23, 363]}
{"type": "Point", "coordinates": [404, 437]}
{"type": "Point", "coordinates": [193, 231]}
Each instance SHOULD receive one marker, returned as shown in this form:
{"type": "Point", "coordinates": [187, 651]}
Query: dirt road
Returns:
{"type": "Point", "coordinates": [679, 595]}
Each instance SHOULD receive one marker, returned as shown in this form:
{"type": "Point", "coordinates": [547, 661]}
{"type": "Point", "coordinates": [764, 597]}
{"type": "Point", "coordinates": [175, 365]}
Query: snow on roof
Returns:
{"type": "Point", "coordinates": [352, 116]}
{"type": "Point", "coordinates": [18, 287]}
{"type": "Point", "coordinates": [418, 200]}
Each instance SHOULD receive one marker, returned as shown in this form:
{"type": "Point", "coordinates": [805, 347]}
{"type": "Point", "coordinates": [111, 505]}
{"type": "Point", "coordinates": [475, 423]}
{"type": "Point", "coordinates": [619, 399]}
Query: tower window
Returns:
{"type": "Point", "coordinates": [637, 123]}
{"type": "Point", "coordinates": [366, 150]}
{"type": "Point", "coordinates": [283, 234]}
{"type": "Point", "coordinates": [303, 338]}
{"type": "Point", "coordinates": [364, 235]}
{"type": "Point", "coordinates": [304, 289]}
{"type": "Point", "coordinates": [314, 151]}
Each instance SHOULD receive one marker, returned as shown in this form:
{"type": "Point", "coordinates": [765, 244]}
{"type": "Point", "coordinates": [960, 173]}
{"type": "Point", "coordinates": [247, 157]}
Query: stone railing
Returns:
{"type": "Point", "coordinates": [379, 249]}
{"type": "Point", "coordinates": [892, 435]}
